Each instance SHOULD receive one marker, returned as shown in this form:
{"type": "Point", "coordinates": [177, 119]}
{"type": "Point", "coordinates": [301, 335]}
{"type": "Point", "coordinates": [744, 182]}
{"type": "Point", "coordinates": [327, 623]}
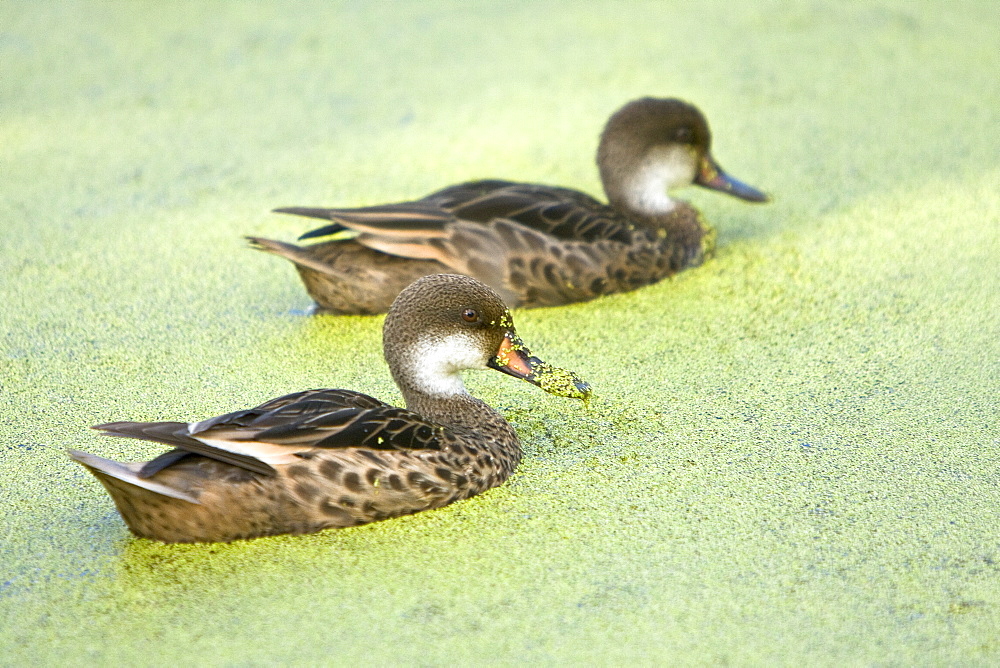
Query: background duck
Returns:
{"type": "Point", "coordinates": [536, 245]}
{"type": "Point", "coordinates": [335, 458]}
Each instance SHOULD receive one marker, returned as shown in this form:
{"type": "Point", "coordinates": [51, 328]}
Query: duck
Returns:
{"type": "Point", "coordinates": [328, 458]}
{"type": "Point", "coordinates": [536, 245]}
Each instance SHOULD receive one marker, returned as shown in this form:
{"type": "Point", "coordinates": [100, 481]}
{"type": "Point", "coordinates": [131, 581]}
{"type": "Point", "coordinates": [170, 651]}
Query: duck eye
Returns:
{"type": "Point", "coordinates": [470, 315]}
{"type": "Point", "coordinates": [684, 135]}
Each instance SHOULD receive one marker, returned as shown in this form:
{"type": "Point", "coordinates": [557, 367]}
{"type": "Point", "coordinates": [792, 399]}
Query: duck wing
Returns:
{"type": "Point", "coordinates": [559, 212]}
{"type": "Point", "coordinates": [563, 213]}
{"type": "Point", "coordinates": [281, 430]}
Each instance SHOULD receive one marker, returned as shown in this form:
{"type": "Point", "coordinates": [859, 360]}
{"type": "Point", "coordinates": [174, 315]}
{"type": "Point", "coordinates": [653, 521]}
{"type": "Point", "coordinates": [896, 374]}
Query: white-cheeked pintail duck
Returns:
{"type": "Point", "coordinates": [336, 458]}
{"type": "Point", "coordinates": [536, 245]}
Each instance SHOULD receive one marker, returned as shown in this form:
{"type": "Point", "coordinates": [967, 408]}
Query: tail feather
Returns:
{"type": "Point", "coordinates": [112, 474]}
{"type": "Point", "coordinates": [176, 434]}
{"type": "Point", "coordinates": [307, 211]}
{"type": "Point", "coordinates": [303, 257]}
{"type": "Point", "coordinates": [143, 430]}
{"type": "Point", "coordinates": [405, 219]}
{"type": "Point", "coordinates": [168, 433]}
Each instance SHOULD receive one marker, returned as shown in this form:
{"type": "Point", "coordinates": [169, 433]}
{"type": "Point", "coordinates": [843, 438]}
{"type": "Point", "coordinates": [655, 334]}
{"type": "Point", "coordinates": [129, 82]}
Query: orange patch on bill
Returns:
{"type": "Point", "coordinates": [513, 359]}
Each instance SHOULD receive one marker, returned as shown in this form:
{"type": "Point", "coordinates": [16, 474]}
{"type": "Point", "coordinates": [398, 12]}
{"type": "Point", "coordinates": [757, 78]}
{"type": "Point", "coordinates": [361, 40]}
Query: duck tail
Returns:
{"type": "Point", "coordinates": [302, 256]}
{"type": "Point", "coordinates": [126, 487]}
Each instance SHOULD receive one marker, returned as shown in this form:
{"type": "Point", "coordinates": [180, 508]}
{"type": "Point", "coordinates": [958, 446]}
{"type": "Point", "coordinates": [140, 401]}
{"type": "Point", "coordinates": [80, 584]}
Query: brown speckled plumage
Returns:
{"type": "Point", "coordinates": [535, 245]}
{"type": "Point", "coordinates": [336, 458]}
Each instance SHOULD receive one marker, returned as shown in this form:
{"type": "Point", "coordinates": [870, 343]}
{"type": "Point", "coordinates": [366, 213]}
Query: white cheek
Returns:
{"type": "Point", "coordinates": [438, 363]}
{"type": "Point", "coordinates": [661, 169]}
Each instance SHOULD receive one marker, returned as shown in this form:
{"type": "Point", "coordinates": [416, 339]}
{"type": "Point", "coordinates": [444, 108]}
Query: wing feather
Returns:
{"type": "Point", "coordinates": [560, 212]}
{"type": "Point", "coordinates": [276, 432]}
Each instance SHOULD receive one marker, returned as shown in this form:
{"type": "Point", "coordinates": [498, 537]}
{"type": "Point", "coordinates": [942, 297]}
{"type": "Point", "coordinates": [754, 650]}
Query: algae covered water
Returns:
{"type": "Point", "coordinates": [794, 456]}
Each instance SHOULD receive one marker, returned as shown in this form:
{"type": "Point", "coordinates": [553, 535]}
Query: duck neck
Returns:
{"type": "Point", "coordinates": [428, 373]}
{"type": "Point", "coordinates": [462, 410]}
{"type": "Point", "coordinates": [640, 186]}
{"type": "Point", "coordinates": [431, 366]}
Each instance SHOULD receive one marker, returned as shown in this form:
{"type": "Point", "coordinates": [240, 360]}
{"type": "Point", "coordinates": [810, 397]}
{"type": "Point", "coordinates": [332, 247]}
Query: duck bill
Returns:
{"type": "Point", "coordinates": [516, 360]}
{"type": "Point", "coordinates": [711, 176]}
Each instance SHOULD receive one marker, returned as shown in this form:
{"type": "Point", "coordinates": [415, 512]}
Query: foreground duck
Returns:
{"type": "Point", "coordinates": [536, 245]}
{"type": "Point", "coordinates": [337, 458]}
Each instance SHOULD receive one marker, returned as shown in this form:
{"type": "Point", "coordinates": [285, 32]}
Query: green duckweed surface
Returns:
{"type": "Point", "coordinates": [794, 457]}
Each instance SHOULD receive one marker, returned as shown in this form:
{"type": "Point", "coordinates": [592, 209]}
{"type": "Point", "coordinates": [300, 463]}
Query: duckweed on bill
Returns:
{"type": "Point", "coordinates": [561, 382]}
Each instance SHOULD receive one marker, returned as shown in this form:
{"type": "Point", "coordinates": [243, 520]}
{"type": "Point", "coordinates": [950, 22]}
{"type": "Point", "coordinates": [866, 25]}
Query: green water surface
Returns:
{"type": "Point", "coordinates": [795, 454]}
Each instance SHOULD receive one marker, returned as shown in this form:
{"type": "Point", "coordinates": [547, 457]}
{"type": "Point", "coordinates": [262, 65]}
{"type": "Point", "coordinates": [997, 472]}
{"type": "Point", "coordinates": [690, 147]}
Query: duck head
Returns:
{"type": "Point", "coordinates": [652, 145]}
{"type": "Point", "coordinates": [442, 324]}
